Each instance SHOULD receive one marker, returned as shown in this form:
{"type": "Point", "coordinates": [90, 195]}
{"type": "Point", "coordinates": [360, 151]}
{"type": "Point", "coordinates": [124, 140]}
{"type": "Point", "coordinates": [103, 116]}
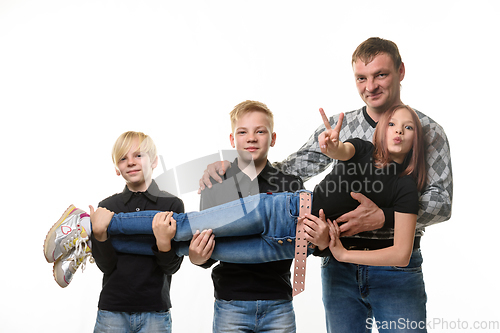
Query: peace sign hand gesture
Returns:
{"type": "Point", "coordinates": [329, 139]}
{"type": "Point", "coordinates": [329, 142]}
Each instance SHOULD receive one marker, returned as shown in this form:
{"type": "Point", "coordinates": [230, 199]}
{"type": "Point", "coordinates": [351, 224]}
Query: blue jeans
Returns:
{"type": "Point", "coordinates": [137, 322]}
{"type": "Point", "coordinates": [254, 316]}
{"type": "Point", "coordinates": [358, 298]}
{"type": "Point", "coordinates": [265, 225]}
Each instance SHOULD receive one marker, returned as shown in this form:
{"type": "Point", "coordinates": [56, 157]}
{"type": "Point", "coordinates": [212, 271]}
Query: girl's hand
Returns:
{"type": "Point", "coordinates": [164, 228]}
{"type": "Point", "coordinates": [329, 139]}
{"type": "Point", "coordinates": [335, 245]}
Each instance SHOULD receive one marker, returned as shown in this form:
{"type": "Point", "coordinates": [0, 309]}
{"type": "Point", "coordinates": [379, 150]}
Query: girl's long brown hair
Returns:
{"type": "Point", "coordinates": [415, 157]}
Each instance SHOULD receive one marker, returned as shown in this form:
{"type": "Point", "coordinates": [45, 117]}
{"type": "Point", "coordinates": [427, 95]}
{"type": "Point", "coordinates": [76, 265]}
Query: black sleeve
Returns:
{"type": "Point", "coordinates": [104, 255]}
{"type": "Point", "coordinates": [325, 253]}
{"type": "Point", "coordinates": [406, 201]}
{"type": "Point", "coordinates": [361, 147]}
{"type": "Point", "coordinates": [407, 197]}
{"type": "Point", "coordinates": [168, 261]}
{"type": "Point", "coordinates": [389, 218]}
{"type": "Point", "coordinates": [210, 262]}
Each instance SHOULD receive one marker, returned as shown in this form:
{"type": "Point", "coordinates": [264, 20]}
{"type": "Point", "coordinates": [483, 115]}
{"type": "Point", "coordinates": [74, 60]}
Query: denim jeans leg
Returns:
{"type": "Point", "coordinates": [390, 298]}
{"type": "Point", "coordinates": [236, 218]}
{"type": "Point", "coordinates": [254, 316]}
{"type": "Point", "coordinates": [397, 296]}
{"type": "Point", "coordinates": [111, 322]}
{"type": "Point", "coordinates": [155, 322]}
{"type": "Point", "coordinates": [233, 316]}
{"type": "Point", "coordinates": [141, 322]}
{"type": "Point", "coordinates": [134, 244]}
{"type": "Point", "coordinates": [256, 214]}
{"type": "Point", "coordinates": [276, 316]}
{"type": "Point", "coordinates": [267, 223]}
{"type": "Point", "coordinates": [133, 232]}
{"type": "Point", "coordinates": [346, 310]}
{"type": "Point", "coordinates": [267, 214]}
{"type": "Point", "coordinates": [252, 249]}
{"type": "Point", "coordinates": [274, 215]}
{"type": "Point", "coordinates": [243, 217]}
{"type": "Point", "coordinates": [136, 223]}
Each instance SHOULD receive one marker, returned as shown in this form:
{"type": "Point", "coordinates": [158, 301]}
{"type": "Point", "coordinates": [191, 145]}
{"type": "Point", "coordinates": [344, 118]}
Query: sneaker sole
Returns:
{"type": "Point", "coordinates": [50, 256]}
{"type": "Point", "coordinates": [60, 284]}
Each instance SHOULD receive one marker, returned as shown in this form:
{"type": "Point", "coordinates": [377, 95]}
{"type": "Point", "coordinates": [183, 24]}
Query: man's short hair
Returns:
{"type": "Point", "coordinates": [372, 47]}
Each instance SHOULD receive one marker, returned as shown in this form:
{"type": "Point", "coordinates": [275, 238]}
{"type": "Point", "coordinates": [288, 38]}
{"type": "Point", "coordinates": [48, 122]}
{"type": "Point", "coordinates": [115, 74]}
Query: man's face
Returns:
{"type": "Point", "coordinates": [252, 134]}
{"type": "Point", "coordinates": [378, 83]}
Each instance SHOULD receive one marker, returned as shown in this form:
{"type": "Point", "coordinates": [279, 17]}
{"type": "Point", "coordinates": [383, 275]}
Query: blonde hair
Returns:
{"type": "Point", "coordinates": [125, 142]}
{"type": "Point", "coordinates": [248, 106]}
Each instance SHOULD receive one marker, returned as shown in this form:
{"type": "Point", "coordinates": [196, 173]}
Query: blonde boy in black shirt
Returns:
{"type": "Point", "coordinates": [135, 295]}
{"type": "Point", "coordinates": [249, 297]}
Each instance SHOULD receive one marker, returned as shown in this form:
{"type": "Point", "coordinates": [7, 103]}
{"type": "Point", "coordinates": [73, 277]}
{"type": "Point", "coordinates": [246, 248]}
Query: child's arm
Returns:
{"type": "Point", "coordinates": [201, 247]}
{"type": "Point", "coordinates": [329, 142]}
{"type": "Point", "coordinates": [102, 250]}
{"type": "Point", "coordinates": [164, 228]}
{"type": "Point", "coordinates": [397, 255]}
{"type": "Point", "coordinates": [100, 220]}
{"type": "Point", "coordinates": [317, 230]}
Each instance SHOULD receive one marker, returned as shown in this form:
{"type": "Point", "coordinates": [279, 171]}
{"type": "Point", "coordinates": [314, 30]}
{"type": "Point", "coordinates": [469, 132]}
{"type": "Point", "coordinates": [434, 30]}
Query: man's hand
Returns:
{"type": "Point", "coordinates": [366, 217]}
{"type": "Point", "coordinates": [100, 220]}
{"type": "Point", "coordinates": [201, 247]}
{"type": "Point", "coordinates": [317, 230]}
{"type": "Point", "coordinates": [164, 228]}
{"type": "Point", "coordinates": [214, 170]}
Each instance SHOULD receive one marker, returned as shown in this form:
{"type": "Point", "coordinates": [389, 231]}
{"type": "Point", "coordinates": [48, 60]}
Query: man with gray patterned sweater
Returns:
{"type": "Point", "coordinates": [357, 297]}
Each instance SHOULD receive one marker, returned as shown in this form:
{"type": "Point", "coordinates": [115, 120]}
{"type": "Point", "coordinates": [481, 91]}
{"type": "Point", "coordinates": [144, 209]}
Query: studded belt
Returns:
{"type": "Point", "coordinates": [299, 271]}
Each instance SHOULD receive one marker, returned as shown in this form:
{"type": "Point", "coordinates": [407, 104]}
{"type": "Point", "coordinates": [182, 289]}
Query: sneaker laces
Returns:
{"type": "Point", "coordinates": [73, 240]}
{"type": "Point", "coordinates": [82, 252]}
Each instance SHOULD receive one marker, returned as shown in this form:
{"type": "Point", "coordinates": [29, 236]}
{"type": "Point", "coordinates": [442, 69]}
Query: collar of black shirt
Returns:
{"type": "Point", "coordinates": [152, 193]}
{"type": "Point", "coordinates": [266, 174]}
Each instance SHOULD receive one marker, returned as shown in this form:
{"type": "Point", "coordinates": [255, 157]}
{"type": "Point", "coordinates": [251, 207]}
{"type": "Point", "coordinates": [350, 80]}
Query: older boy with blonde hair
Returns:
{"type": "Point", "coordinates": [249, 297]}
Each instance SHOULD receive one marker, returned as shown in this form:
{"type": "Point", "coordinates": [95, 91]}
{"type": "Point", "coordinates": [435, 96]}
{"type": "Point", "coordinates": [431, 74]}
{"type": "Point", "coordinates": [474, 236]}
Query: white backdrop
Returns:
{"type": "Point", "coordinates": [76, 74]}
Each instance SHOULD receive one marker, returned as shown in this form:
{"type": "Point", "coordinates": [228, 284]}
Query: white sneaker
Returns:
{"type": "Point", "coordinates": [66, 267]}
{"type": "Point", "coordinates": [65, 234]}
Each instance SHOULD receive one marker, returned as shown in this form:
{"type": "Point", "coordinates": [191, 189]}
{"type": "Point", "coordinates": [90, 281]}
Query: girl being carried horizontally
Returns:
{"type": "Point", "coordinates": [390, 171]}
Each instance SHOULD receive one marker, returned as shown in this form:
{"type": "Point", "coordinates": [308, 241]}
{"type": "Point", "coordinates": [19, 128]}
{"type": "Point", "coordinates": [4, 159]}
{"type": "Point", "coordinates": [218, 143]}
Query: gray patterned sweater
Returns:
{"type": "Point", "coordinates": [435, 199]}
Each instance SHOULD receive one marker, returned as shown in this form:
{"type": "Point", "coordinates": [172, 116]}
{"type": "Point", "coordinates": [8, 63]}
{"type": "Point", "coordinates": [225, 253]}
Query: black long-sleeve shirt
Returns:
{"type": "Point", "coordinates": [137, 283]}
{"type": "Point", "coordinates": [247, 282]}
